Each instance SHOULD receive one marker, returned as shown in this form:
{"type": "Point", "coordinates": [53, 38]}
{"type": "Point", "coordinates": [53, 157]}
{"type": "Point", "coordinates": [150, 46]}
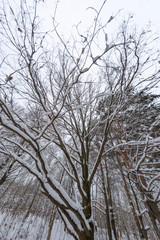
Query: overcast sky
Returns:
{"type": "Point", "coordinates": [70, 12]}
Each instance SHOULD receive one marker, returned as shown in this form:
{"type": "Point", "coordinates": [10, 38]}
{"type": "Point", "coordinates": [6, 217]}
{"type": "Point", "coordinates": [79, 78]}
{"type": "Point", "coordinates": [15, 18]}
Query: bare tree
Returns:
{"type": "Point", "coordinates": [59, 85]}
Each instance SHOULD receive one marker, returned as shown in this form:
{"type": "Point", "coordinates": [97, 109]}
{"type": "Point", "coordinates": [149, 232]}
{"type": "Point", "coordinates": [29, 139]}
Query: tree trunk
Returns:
{"type": "Point", "coordinates": [86, 203]}
{"type": "Point", "coordinates": [106, 205]}
{"type": "Point", "coordinates": [113, 224]}
{"type": "Point", "coordinates": [142, 232]}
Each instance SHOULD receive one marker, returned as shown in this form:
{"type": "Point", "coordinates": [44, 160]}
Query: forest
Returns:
{"type": "Point", "coordinates": [79, 128]}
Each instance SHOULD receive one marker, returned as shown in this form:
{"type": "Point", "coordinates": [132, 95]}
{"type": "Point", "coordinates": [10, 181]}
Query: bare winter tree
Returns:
{"type": "Point", "coordinates": [52, 118]}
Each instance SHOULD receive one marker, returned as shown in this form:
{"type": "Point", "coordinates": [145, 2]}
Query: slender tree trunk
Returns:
{"type": "Point", "coordinates": [142, 232]}
{"type": "Point", "coordinates": [113, 224]}
{"type": "Point", "coordinates": [51, 222]}
{"type": "Point", "coordinates": [106, 204]}
{"type": "Point", "coordinates": [87, 201]}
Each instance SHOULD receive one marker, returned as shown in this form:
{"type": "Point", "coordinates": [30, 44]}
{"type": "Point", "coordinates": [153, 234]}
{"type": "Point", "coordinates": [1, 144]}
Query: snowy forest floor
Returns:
{"type": "Point", "coordinates": [25, 213]}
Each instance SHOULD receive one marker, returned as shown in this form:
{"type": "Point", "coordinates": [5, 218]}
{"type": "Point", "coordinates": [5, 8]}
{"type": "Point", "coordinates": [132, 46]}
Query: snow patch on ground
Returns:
{"type": "Point", "coordinates": [58, 232]}
{"type": "Point", "coordinates": [33, 227]}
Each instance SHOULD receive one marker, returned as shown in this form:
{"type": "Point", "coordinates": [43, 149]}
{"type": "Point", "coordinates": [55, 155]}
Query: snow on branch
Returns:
{"type": "Point", "coordinates": [26, 136]}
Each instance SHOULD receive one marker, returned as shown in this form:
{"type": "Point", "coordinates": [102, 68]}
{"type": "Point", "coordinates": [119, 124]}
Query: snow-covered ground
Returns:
{"type": "Point", "coordinates": [32, 228]}
{"type": "Point", "coordinates": [26, 214]}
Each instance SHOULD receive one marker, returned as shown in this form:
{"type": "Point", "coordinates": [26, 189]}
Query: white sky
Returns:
{"type": "Point", "coordinates": [70, 12]}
